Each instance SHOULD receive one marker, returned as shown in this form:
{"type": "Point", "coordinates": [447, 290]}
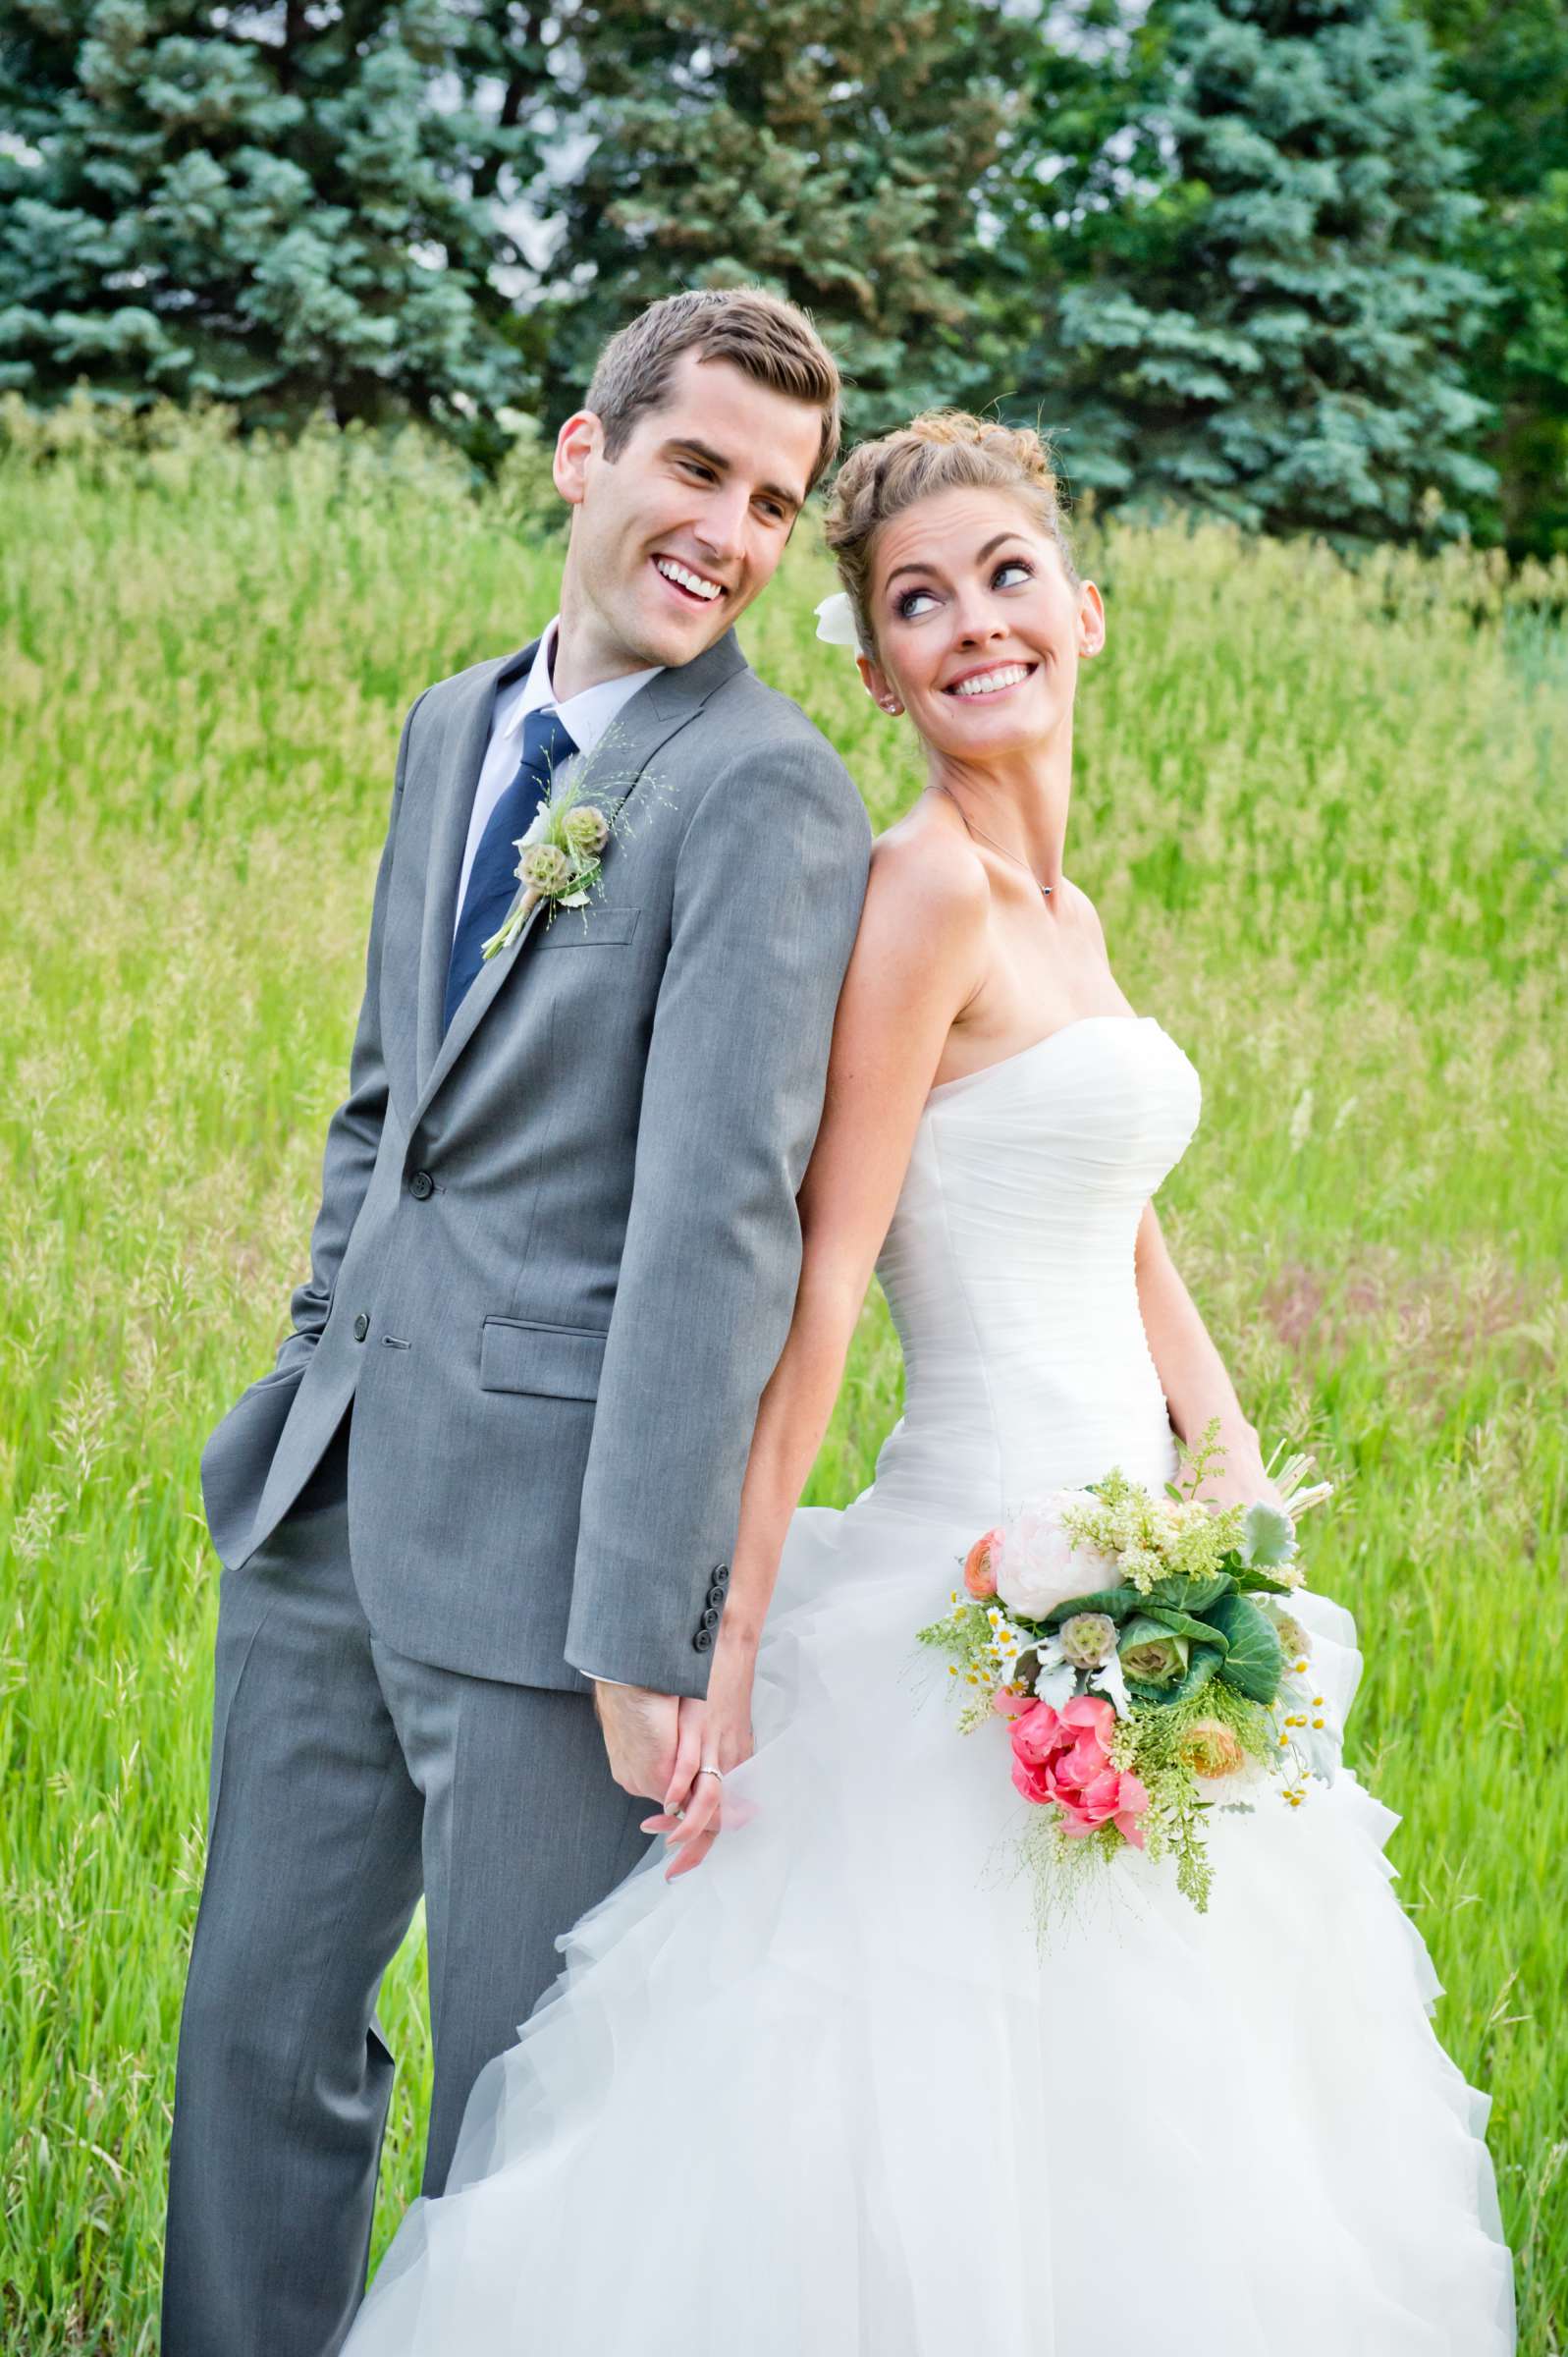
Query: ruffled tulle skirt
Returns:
{"type": "Point", "coordinates": [835, 2094]}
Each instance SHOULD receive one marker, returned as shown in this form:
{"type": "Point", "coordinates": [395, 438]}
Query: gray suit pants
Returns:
{"type": "Point", "coordinates": [345, 1777]}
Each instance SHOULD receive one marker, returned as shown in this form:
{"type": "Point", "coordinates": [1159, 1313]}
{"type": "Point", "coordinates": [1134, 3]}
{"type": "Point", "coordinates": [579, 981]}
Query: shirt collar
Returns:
{"type": "Point", "coordinates": [586, 715]}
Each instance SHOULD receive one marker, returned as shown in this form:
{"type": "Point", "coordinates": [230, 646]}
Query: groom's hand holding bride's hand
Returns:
{"type": "Point", "coordinates": [642, 1735]}
{"type": "Point", "coordinates": [717, 1733]}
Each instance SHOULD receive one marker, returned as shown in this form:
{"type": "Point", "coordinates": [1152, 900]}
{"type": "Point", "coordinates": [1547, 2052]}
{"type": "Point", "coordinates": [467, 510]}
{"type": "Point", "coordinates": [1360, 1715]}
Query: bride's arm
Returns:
{"type": "Point", "coordinates": [915, 964]}
{"type": "Point", "coordinates": [1192, 1374]}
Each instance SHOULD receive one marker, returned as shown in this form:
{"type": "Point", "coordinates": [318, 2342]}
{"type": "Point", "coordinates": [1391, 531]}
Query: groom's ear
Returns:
{"type": "Point", "coordinates": [579, 440]}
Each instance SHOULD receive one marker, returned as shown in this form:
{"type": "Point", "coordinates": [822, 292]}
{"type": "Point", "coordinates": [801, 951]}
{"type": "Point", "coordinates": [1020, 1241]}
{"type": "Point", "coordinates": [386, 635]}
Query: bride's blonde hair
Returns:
{"type": "Point", "coordinates": [942, 450]}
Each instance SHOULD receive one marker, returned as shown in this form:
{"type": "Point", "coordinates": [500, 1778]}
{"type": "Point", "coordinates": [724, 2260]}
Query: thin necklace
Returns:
{"type": "Point", "coordinates": [1043, 890]}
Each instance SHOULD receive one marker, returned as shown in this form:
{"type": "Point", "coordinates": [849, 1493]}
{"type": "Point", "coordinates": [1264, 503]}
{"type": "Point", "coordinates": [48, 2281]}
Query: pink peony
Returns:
{"type": "Point", "coordinates": [980, 1565]}
{"type": "Point", "coordinates": [1064, 1756]}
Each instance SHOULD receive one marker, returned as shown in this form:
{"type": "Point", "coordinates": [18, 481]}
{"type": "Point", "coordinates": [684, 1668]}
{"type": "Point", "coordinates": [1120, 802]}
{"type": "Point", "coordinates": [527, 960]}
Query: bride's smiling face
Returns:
{"type": "Point", "coordinates": [979, 625]}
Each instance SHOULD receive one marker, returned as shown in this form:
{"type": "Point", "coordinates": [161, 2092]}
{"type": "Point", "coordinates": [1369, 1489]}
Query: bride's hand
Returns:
{"type": "Point", "coordinates": [726, 1728]}
{"type": "Point", "coordinates": [1238, 1479]}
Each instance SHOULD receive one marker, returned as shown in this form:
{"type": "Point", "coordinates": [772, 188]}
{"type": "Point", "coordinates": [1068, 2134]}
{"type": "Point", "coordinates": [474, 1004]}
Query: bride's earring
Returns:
{"type": "Point", "coordinates": [890, 704]}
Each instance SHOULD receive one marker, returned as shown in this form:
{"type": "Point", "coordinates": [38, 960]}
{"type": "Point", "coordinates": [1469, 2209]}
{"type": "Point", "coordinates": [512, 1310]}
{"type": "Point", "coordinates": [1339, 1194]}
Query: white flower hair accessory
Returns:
{"type": "Point", "coordinates": [836, 620]}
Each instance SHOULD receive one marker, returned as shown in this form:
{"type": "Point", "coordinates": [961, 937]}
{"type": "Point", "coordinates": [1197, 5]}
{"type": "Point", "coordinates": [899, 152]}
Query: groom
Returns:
{"type": "Point", "coordinates": [475, 1525]}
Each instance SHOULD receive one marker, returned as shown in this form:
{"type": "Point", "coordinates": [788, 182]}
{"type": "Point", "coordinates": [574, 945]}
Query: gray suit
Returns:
{"type": "Point", "coordinates": [501, 1450]}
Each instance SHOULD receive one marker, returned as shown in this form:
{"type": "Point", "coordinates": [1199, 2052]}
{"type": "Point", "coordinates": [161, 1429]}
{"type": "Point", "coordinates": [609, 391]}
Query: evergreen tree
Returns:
{"type": "Point", "coordinates": [1512, 64]}
{"type": "Point", "coordinates": [265, 206]}
{"type": "Point", "coordinates": [835, 150]}
{"type": "Point", "coordinates": [1256, 306]}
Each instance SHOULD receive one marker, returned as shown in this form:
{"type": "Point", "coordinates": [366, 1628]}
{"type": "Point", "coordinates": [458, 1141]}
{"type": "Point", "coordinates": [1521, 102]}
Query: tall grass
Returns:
{"type": "Point", "coordinates": [1323, 815]}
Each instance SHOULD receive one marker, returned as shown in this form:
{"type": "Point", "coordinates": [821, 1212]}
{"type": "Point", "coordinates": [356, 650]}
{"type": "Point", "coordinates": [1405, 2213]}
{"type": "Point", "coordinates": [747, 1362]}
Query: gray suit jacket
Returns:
{"type": "Point", "coordinates": [557, 1251]}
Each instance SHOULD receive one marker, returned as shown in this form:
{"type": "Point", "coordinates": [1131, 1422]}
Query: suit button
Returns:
{"type": "Point", "coordinates": [702, 1642]}
{"type": "Point", "coordinates": [361, 1327]}
{"type": "Point", "coordinates": [710, 1619]}
{"type": "Point", "coordinates": [421, 1185]}
{"type": "Point", "coordinates": [721, 1576]}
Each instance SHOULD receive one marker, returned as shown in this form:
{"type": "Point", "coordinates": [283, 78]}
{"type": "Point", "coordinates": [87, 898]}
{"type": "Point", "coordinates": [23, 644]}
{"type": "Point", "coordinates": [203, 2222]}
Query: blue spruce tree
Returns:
{"type": "Point", "coordinates": [838, 154]}
{"type": "Point", "coordinates": [1257, 308]}
{"type": "Point", "coordinates": [263, 205]}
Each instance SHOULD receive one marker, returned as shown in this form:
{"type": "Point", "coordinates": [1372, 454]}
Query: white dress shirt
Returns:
{"type": "Point", "coordinates": [587, 715]}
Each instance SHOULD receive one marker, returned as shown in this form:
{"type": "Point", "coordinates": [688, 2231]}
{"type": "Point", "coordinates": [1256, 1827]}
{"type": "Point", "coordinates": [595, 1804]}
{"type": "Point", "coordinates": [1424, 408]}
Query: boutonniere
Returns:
{"type": "Point", "coordinates": [559, 860]}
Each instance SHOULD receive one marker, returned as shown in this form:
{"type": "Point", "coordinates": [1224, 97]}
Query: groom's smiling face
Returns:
{"type": "Point", "coordinates": [673, 537]}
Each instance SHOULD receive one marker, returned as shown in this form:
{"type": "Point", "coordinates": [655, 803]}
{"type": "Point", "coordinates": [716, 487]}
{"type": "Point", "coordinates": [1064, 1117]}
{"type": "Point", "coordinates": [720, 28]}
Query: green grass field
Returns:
{"type": "Point", "coordinates": [1325, 822]}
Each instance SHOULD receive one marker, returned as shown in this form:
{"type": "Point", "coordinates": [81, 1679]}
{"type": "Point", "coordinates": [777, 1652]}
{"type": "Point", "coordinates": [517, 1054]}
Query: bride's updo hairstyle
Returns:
{"type": "Point", "coordinates": [942, 450]}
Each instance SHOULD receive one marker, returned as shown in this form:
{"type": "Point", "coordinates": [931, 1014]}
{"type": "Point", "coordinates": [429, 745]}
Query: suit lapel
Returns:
{"type": "Point", "coordinates": [611, 773]}
{"type": "Point", "coordinates": [466, 735]}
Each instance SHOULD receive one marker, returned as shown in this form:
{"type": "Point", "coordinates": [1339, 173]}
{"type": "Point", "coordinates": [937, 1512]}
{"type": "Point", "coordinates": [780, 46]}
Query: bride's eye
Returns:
{"type": "Point", "coordinates": [908, 605]}
{"type": "Point", "coordinates": [1018, 565]}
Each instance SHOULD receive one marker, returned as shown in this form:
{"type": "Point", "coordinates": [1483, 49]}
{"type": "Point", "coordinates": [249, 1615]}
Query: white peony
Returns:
{"type": "Point", "coordinates": [1041, 1565]}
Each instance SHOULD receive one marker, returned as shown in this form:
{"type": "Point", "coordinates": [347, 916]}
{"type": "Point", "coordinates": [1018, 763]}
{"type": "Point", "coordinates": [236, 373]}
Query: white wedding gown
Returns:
{"type": "Point", "coordinates": [828, 2095]}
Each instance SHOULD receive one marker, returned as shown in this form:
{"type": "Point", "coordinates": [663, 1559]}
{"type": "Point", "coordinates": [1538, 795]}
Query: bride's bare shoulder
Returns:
{"type": "Point", "coordinates": [1080, 908]}
{"type": "Point", "coordinates": [921, 950]}
{"type": "Point", "coordinates": [925, 869]}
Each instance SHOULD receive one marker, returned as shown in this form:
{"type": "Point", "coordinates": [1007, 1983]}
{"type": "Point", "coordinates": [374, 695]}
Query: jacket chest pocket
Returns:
{"type": "Point", "coordinates": [601, 925]}
{"type": "Point", "coordinates": [560, 1362]}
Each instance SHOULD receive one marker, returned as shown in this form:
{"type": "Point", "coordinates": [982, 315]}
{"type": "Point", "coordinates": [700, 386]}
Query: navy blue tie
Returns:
{"type": "Point", "coordinates": [547, 741]}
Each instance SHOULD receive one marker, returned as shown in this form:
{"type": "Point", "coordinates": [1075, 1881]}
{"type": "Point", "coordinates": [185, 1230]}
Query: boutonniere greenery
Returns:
{"type": "Point", "coordinates": [559, 860]}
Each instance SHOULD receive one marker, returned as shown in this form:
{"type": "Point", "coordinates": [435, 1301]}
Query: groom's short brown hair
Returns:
{"type": "Point", "coordinates": [758, 333]}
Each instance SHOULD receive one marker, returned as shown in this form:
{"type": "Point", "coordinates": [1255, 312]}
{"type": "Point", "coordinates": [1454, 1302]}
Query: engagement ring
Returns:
{"type": "Point", "coordinates": [718, 1772]}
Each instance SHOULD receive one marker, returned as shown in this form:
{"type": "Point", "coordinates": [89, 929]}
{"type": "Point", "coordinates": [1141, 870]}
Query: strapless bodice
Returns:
{"type": "Point", "coordinates": [1009, 1270]}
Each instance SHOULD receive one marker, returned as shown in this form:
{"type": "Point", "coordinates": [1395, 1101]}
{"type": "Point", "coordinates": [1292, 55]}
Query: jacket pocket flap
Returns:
{"type": "Point", "coordinates": [561, 1361]}
{"type": "Point", "coordinates": [598, 926]}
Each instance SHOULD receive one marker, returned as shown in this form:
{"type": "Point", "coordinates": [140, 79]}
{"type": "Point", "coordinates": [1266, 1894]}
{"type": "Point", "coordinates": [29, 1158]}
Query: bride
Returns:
{"type": "Point", "coordinates": [831, 2093]}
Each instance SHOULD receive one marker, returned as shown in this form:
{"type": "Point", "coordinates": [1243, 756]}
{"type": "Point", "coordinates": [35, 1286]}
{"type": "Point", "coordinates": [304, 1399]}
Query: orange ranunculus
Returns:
{"type": "Point", "coordinates": [980, 1565]}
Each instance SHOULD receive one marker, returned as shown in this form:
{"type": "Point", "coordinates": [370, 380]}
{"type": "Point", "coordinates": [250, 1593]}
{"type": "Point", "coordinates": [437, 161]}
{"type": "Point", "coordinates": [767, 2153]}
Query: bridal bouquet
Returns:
{"type": "Point", "coordinates": [1143, 1656]}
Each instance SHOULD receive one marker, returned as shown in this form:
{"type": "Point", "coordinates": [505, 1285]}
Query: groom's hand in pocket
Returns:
{"type": "Point", "coordinates": [641, 1731]}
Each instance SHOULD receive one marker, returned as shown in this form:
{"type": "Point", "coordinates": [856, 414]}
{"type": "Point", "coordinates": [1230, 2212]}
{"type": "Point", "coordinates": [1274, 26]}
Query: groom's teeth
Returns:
{"type": "Point", "coordinates": [989, 683]}
{"type": "Point", "coordinates": [687, 581]}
